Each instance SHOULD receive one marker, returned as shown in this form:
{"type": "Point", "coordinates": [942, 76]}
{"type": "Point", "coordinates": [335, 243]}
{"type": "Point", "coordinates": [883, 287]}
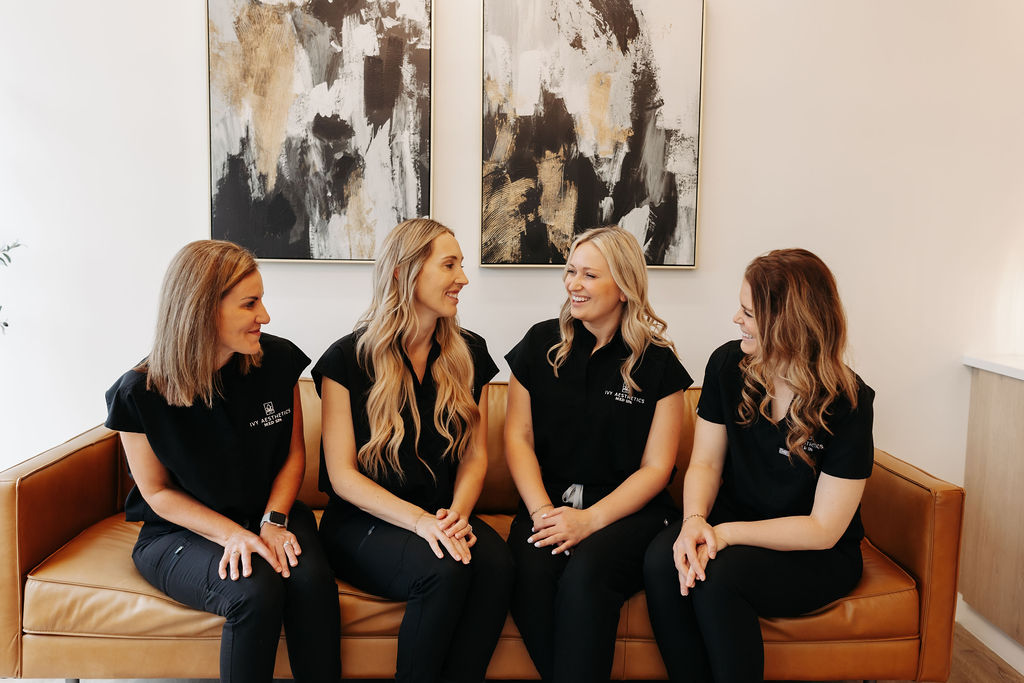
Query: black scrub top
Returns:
{"type": "Point", "coordinates": [587, 428]}
{"type": "Point", "coordinates": [227, 456]}
{"type": "Point", "coordinates": [760, 479]}
{"type": "Point", "coordinates": [417, 486]}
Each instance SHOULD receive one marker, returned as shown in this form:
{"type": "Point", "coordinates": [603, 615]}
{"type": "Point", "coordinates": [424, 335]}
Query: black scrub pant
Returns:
{"type": "Point", "coordinates": [454, 612]}
{"type": "Point", "coordinates": [567, 607]}
{"type": "Point", "coordinates": [713, 634]}
{"type": "Point", "coordinates": [184, 565]}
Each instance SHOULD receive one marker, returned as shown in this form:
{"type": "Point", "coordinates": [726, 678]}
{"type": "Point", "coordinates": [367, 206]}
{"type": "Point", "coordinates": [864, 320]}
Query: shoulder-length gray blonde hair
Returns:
{"type": "Point", "coordinates": [182, 366]}
{"type": "Point", "coordinates": [386, 324]}
{"type": "Point", "coordinates": [639, 325]}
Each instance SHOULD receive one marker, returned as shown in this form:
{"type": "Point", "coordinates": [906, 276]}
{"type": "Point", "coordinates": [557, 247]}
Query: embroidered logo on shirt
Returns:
{"type": "Point", "coordinates": [622, 396]}
{"type": "Point", "coordinates": [809, 446]}
{"type": "Point", "coordinates": [272, 417]}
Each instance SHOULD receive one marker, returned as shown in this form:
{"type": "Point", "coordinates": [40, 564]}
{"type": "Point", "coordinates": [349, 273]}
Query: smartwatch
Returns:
{"type": "Point", "coordinates": [276, 518]}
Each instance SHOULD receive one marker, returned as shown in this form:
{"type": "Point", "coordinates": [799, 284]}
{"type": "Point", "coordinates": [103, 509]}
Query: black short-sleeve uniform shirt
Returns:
{"type": "Point", "coordinates": [587, 428]}
{"type": "Point", "coordinates": [226, 456]}
{"type": "Point", "coordinates": [417, 486]}
{"type": "Point", "coordinates": [760, 479]}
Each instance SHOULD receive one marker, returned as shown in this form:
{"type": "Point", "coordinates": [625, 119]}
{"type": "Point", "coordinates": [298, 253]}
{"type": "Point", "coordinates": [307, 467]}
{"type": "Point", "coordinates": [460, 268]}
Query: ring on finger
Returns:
{"type": "Point", "coordinates": [234, 552]}
{"type": "Point", "coordinates": [287, 543]}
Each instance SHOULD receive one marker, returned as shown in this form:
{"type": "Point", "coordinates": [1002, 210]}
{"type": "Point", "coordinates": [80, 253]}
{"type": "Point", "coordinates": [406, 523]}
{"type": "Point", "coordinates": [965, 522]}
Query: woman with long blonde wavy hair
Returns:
{"type": "Point", "coordinates": [782, 449]}
{"type": "Point", "coordinates": [404, 457]}
{"type": "Point", "coordinates": [591, 433]}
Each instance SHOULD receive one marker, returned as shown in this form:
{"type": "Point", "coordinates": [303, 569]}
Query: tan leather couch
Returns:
{"type": "Point", "coordinates": [73, 605]}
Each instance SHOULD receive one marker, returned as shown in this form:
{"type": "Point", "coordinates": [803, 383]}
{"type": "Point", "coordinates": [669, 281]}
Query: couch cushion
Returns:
{"type": "Point", "coordinates": [91, 587]}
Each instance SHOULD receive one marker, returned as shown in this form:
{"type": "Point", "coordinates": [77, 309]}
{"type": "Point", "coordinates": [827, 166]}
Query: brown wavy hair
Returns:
{"type": "Point", "coordinates": [182, 366]}
{"type": "Point", "coordinates": [802, 330]}
{"type": "Point", "coordinates": [385, 326]}
{"type": "Point", "coordinates": [640, 326]}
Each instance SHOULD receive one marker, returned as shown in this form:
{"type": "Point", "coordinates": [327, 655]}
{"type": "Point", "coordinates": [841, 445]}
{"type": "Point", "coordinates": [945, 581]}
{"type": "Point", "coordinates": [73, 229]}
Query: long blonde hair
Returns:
{"type": "Point", "coordinates": [802, 329]}
{"type": "Point", "coordinates": [385, 325]}
{"type": "Point", "coordinates": [639, 325]}
{"type": "Point", "coordinates": [182, 366]}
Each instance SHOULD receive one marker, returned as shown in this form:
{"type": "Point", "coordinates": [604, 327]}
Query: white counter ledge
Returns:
{"type": "Point", "coordinates": [1006, 364]}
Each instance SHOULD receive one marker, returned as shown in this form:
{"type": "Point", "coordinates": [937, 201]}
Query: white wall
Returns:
{"type": "Point", "coordinates": [887, 137]}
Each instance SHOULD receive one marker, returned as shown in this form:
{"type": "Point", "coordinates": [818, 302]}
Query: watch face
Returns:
{"type": "Point", "coordinates": [277, 518]}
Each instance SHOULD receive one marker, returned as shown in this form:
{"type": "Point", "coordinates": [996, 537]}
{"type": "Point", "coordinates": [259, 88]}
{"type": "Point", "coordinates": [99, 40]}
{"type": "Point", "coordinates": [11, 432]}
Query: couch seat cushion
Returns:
{"type": "Point", "coordinates": [90, 587]}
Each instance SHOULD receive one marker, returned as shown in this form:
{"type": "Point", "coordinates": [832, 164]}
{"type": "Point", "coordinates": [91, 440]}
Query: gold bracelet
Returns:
{"type": "Point", "coordinates": [695, 514]}
{"type": "Point", "coordinates": [545, 505]}
{"type": "Point", "coordinates": [416, 524]}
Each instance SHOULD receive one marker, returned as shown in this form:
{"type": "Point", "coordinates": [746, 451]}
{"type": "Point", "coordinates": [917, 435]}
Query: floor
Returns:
{"type": "Point", "coordinates": [972, 663]}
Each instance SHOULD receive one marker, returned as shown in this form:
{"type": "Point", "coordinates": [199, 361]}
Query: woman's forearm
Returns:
{"type": "Point", "coordinates": [469, 482]}
{"type": "Point", "coordinates": [631, 495]}
{"type": "Point", "coordinates": [835, 503]}
{"type": "Point", "coordinates": [782, 533]}
{"type": "Point", "coordinates": [371, 497]}
{"type": "Point", "coordinates": [525, 471]}
{"type": "Point", "coordinates": [700, 488]}
{"type": "Point", "coordinates": [178, 507]}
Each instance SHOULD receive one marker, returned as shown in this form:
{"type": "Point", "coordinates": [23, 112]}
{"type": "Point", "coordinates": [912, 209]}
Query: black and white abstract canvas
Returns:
{"type": "Point", "coordinates": [591, 113]}
{"type": "Point", "coordinates": [319, 123]}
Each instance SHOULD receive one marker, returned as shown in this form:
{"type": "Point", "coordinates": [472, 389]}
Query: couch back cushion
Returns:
{"type": "Point", "coordinates": [499, 494]}
{"type": "Point", "coordinates": [308, 492]}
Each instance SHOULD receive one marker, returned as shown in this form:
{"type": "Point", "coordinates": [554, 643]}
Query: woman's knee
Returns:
{"type": "Point", "coordinates": [259, 596]}
{"type": "Point", "coordinates": [444, 577]}
{"type": "Point", "coordinates": [659, 566]}
{"type": "Point", "coordinates": [494, 561]}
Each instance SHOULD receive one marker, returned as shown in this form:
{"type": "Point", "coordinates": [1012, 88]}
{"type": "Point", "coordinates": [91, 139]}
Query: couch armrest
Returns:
{"type": "Point", "coordinates": [917, 519]}
{"type": "Point", "coordinates": [45, 502]}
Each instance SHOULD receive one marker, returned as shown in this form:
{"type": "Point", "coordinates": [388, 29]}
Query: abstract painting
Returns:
{"type": "Point", "coordinates": [591, 114]}
{"type": "Point", "coordinates": [319, 123]}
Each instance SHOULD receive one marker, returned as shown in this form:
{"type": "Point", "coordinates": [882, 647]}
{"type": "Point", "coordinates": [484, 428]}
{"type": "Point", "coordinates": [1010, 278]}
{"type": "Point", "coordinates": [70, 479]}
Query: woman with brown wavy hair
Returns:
{"type": "Point", "coordinates": [404, 457]}
{"type": "Point", "coordinates": [782, 449]}
{"type": "Point", "coordinates": [591, 435]}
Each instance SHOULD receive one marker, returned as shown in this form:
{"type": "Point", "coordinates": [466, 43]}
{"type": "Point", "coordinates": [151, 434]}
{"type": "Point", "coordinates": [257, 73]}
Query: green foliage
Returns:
{"type": "Point", "coordinates": [5, 259]}
{"type": "Point", "coordinates": [5, 252]}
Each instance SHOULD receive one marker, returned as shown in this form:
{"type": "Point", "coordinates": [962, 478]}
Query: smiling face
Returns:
{"type": "Point", "coordinates": [439, 282]}
{"type": "Point", "coordinates": [750, 340]}
{"type": "Point", "coordinates": [594, 297]}
{"type": "Point", "coordinates": [239, 317]}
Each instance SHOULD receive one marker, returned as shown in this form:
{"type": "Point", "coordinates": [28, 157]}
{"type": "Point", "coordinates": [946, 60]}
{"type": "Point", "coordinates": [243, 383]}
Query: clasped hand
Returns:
{"type": "Point", "coordinates": [697, 544]}
{"type": "Point", "coordinates": [447, 529]}
{"type": "Point", "coordinates": [561, 527]}
{"type": "Point", "coordinates": [275, 544]}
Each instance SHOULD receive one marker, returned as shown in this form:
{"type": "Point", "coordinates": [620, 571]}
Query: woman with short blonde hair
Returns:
{"type": "Point", "coordinates": [404, 457]}
{"type": "Point", "coordinates": [591, 433]}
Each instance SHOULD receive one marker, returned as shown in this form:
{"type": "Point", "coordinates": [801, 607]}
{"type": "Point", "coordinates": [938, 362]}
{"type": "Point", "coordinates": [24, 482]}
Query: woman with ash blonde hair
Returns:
{"type": "Point", "coordinates": [591, 435]}
{"type": "Point", "coordinates": [404, 457]}
{"type": "Point", "coordinates": [215, 481]}
{"type": "Point", "coordinates": [782, 449]}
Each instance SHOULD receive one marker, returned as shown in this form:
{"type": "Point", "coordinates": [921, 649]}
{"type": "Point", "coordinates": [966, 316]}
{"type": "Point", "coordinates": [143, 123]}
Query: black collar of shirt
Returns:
{"type": "Point", "coordinates": [432, 355]}
{"type": "Point", "coordinates": [585, 340]}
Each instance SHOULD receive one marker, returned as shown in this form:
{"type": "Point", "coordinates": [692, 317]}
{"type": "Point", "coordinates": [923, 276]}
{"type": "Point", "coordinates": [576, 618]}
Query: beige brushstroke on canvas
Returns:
{"type": "Point", "coordinates": [257, 73]}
